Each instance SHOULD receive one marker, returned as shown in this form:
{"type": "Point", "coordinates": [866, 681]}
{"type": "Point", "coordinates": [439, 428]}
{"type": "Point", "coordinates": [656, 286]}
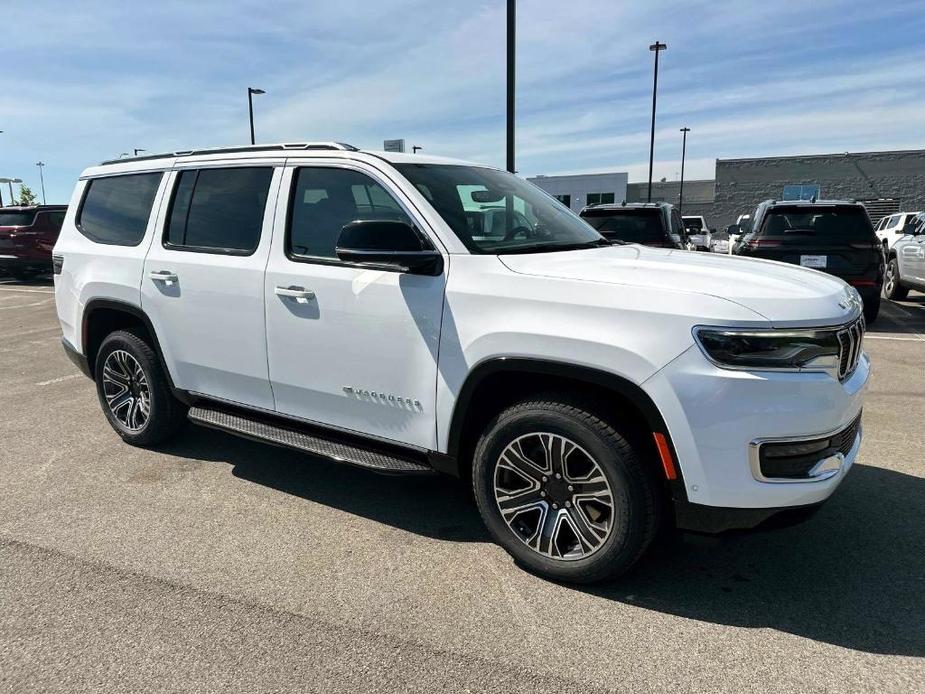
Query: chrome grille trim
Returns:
{"type": "Point", "coordinates": [850, 340]}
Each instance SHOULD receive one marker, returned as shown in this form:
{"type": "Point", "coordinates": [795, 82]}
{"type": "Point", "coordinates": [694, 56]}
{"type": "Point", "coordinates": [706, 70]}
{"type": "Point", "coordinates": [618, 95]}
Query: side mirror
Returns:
{"type": "Point", "coordinates": [387, 242]}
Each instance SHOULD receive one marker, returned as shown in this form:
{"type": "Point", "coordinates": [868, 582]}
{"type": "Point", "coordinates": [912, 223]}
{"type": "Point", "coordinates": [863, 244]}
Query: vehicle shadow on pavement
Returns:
{"type": "Point", "coordinates": [853, 575]}
{"type": "Point", "coordinates": [430, 505]}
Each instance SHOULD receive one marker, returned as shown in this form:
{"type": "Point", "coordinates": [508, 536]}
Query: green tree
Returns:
{"type": "Point", "coordinates": [26, 196]}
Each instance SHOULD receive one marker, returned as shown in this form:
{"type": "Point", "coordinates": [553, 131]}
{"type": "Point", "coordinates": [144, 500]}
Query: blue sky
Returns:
{"type": "Point", "coordinates": [86, 81]}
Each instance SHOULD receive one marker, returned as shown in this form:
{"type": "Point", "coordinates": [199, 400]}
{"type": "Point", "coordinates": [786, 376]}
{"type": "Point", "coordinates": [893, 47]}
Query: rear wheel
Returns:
{"type": "Point", "coordinates": [563, 492]}
{"type": "Point", "coordinates": [133, 391]}
{"type": "Point", "coordinates": [892, 289]}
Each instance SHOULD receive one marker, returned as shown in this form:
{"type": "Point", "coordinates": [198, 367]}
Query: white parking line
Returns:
{"type": "Point", "coordinates": [868, 336]}
{"type": "Point", "coordinates": [57, 380]}
{"type": "Point", "coordinates": [37, 303]}
{"type": "Point", "coordinates": [29, 291]}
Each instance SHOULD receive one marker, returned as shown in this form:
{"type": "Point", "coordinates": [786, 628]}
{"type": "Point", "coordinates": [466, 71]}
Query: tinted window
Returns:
{"type": "Point", "coordinates": [599, 199]}
{"type": "Point", "coordinates": [219, 210]}
{"type": "Point", "coordinates": [115, 209]}
{"type": "Point", "coordinates": [839, 223]}
{"type": "Point", "coordinates": [16, 219]}
{"type": "Point", "coordinates": [464, 196]}
{"type": "Point", "coordinates": [324, 200]}
{"type": "Point", "coordinates": [631, 225]}
{"type": "Point", "coordinates": [56, 219]}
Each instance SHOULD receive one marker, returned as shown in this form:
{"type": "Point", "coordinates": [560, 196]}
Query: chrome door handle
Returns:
{"type": "Point", "coordinates": [163, 276]}
{"type": "Point", "coordinates": [300, 294]}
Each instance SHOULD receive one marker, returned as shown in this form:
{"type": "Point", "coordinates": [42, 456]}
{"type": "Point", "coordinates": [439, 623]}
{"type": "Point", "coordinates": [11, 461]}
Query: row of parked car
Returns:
{"type": "Point", "coordinates": [833, 236]}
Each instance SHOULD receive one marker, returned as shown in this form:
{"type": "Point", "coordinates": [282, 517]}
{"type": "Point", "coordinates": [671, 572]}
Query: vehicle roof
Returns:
{"type": "Point", "coordinates": [617, 206]}
{"type": "Point", "coordinates": [31, 208]}
{"type": "Point", "coordinates": [811, 203]}
{"type": "Point", "coordinates": [291, 150]}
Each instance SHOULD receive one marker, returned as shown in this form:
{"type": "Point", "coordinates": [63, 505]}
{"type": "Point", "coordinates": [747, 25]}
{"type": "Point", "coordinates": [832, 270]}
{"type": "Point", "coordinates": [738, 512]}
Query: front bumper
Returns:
{"type": "Point", "coordinates": [716, 416]}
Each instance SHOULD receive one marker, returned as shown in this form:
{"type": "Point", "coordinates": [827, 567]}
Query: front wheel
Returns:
{"type": "Point", "coordinates": [134, 392]}
{"type": "Point", "coordinates": [892, 289]}
{"type": "Point", "coordinates": [563, 492]}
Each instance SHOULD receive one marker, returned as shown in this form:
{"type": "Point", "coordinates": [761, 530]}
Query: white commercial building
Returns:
{"type": "Point", "coordinates": [584, 189]}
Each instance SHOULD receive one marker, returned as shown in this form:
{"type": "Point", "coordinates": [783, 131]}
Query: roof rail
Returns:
{"type": "Point", "coordinates": [341, 146]}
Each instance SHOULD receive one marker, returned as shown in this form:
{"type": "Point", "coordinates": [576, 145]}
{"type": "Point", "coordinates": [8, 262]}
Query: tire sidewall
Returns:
{"type": "Point", "coordinates": [128, 343]}
{"type": "Point", "coordinates": [626, 531]}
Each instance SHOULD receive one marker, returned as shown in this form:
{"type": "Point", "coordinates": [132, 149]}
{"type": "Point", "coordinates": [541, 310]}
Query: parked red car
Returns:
{"type": "Point", "coordinates": [27, 235]}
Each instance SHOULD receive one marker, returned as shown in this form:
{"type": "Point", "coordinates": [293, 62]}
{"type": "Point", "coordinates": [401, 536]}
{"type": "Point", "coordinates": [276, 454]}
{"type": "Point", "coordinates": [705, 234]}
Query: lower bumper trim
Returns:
{"type": "Point", "coordinates": [79, 360]}
{"type": "Point", "coordinates": [713, 520]}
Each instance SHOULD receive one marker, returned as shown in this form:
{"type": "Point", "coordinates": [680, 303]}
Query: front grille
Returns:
{"type": "Point", "coordinates": [793, 460]}
{"type": "Point", "coordinates": [850, 340]}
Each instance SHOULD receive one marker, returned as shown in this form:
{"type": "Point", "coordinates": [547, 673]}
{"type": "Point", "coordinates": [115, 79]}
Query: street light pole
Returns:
{"type": "Point", "coordinates": [41, 166]}
{"type": "Point", "coordinates": [685, 130]}
{"type": "Point", "coordinates": [511, 55]}
{"type": "Point", "coordinates": [250, 108]}
{"type": "Point", "coordinates": [657, 48]}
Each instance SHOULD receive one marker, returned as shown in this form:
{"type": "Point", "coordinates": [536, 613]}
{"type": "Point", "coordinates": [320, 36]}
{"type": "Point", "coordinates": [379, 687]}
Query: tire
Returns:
{"type": "Point", "coordinates": [129, 375]}
{"type": "Point", "coordinates": [551, 425]}
{"type": "Point", "coordinates": [892, 287]}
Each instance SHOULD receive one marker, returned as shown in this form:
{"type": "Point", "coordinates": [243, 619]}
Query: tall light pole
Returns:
{"type": "Point", "coordinates": [685, 130]}
{"type": "Point", "coordinates": [511, 54]}
{"type": "Point", "coordinates": [41, 166]}
{"type": "Point", "coordinates": [416, 148]}
{"type": "Point", "coordinates": [657, 48]}
{"type": "Point", "coordinates": [136, 150]}
{"type": "Point", "coordinates": [250, 108]}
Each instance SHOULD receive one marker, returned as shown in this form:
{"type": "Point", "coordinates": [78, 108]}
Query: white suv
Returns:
{"type": "Point", "coordinates": [893, 227]}
{"type": "Point", "coordinates": [351, 304]}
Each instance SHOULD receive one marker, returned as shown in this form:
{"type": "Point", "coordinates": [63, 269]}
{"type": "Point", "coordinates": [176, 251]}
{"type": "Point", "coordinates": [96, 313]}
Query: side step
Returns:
{"type": "Point", "coordinates": [261, 429]}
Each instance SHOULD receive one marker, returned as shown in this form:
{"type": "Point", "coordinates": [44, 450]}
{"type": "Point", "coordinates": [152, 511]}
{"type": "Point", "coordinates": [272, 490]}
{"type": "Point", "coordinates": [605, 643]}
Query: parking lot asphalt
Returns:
{"type": "Point", "coordinates": [218, 564]}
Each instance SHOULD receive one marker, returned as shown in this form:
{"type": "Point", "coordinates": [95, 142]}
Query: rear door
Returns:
{"type": "Point", "coordinates": [203, 278]}
{"type": "Point", "coordinates": [913, 251]}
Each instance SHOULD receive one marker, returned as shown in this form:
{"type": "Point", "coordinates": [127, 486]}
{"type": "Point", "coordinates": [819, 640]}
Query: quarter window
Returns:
{"type": "Point", "coordinates": [115, 209]}
{"type": "Point", "coordinates": [324, 200]}
{"type": "Point", "coordinates": [219, 210]}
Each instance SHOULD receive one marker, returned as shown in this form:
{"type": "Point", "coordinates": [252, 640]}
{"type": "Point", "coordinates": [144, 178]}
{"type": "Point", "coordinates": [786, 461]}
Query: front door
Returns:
{"type": "Point", "coordinates": [204, 276]}
{"type": "Point", "coordinates": [348, 346]}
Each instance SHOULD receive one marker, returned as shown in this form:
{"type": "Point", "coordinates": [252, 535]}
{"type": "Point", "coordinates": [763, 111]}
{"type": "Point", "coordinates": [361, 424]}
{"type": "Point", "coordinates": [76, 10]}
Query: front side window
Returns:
{"type": "Point", "coordinates": [115, 209]}
{"type": "Point", "coordinates": [324, 200]}
{"type": "Point", "coordinates": [219, 210]}
{"type": "Point", "coordinates": [495, 212]}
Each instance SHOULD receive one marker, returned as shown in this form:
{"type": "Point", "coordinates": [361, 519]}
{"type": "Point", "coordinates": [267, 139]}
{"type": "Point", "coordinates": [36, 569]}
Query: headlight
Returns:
{"type": "Point", "coordinates": [771, 349]}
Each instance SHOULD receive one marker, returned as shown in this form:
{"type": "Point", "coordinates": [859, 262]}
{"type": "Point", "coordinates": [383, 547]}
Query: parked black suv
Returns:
{"type": "Point", "coordinates": [830, 235]}
{"type": "Point", "coordinates": [650, 224]}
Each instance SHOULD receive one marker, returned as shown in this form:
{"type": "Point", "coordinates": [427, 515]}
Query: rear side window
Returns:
{"type": "Point", "coordinates": [219, 210]}
{"type": "Point", "coordinates": [16, 219]}
{"type": "Point", "coordinates": [634, 226]}
{"type": "Point", "coordinates": [115, 209]}
{"type": "Point", "coordinates": [838, 223]}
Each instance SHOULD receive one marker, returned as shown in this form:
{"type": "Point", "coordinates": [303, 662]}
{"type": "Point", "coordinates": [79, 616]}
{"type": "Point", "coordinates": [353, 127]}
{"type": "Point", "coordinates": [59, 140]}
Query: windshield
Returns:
{"type": "Point", "coordinates": [835, 223]}
{"type": "Point", "coordinates": [633, 226]}
{"type": "Point", "coordinates": [693, 223]}
{"type": "Point", "coordinates": [494, 212]}
{"type": "Point", "coordinates": [16, 219]}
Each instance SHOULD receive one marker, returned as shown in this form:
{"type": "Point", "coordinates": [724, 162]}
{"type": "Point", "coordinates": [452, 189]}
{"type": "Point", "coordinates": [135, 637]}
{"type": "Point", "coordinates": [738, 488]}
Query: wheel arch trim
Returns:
{"type": "Point", "coordinates": [549, 367]}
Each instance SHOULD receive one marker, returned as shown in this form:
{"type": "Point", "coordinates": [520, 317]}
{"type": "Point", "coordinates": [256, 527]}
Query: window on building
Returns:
{"type": "Point", "coordinates": [325, 200]}
{"type": "Point", "coordinates": [115, 209]}
{"type": "Point", "coordinates": [803, 191]}
{"type": "Point", "coordinates": [564, 199]}
{"type": "Point", "coordinates": [219, 210]}
{"type": "Point", "coordinates": [600, 199]}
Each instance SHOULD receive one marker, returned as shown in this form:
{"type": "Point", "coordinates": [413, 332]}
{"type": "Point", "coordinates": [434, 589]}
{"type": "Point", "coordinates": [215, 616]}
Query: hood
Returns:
{"type": "Point", "coordinates": [786, 295]}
